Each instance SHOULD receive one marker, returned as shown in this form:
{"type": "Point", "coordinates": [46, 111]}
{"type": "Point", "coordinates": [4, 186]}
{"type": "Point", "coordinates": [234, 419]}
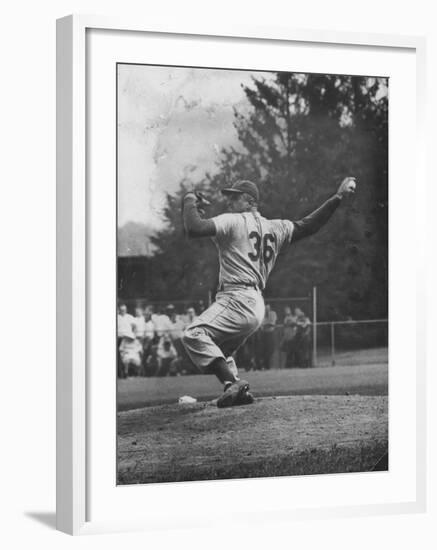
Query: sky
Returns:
{"type": "Point", "coordinates": [172, 123]}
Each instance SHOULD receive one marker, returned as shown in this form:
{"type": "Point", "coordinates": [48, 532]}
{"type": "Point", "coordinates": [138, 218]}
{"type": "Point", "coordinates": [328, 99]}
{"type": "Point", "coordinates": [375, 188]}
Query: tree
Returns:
{"type": "Point", "coordinates": [302, 135]}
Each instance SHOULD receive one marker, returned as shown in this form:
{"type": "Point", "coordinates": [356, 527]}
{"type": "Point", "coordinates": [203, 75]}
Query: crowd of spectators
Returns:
{"type": "Point", "coordinates": [291, 338]}
{"type": "Point", "coordinates": [150, 341]}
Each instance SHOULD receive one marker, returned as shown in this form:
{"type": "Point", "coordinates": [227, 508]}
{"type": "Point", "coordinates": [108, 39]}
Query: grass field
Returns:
{"type": "Point", "coordinates": [373, 356]}
{"type": "Point", "coordinates": [363, 380]}
{"type": "Point", "coordinates": [304, 421]}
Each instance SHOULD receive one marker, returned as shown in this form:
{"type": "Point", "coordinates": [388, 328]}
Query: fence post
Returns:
{"type": "Point", "coordinates": [332, 345]}
{"type": "Point", "coordinates": [314, 326]}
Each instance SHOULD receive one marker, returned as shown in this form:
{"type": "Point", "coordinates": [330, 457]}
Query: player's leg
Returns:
{"type": "Point", "coordinates": [218, 332]}
{"type": "Point", "coordinates": [254, 315]}
{"type": "Point", "coordinates": [232, 366]}
{"type": "Point", "coordinates": [199, 344]}
{"type": "Point", "coordinates": [235, 342]}
{"type": "Point", "coordinates": [202, 338]}
{"type": "Point", "coordinates": [202, 341]}
{"type": "Point", "coordinates": [237, 393]}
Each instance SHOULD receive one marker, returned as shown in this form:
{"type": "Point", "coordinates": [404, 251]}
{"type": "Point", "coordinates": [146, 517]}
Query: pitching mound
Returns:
{"type": "Point", "coordinates": [297, 435]}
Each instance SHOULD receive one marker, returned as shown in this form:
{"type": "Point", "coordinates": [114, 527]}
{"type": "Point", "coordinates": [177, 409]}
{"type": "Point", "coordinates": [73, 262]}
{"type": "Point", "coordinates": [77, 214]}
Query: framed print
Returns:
{"type": "Point", "coordinates": [236, 318]}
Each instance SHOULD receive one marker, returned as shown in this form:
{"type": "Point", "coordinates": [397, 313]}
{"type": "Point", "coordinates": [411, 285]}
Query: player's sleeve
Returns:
{"type": "Point", "coordinates": [311, 223]}
{"type": "Point", "coordinates": [193, 223]}
{"type": "Point", "coordinates": [284, 232]}
{"type": "Point", "coordinates": [225, 224]}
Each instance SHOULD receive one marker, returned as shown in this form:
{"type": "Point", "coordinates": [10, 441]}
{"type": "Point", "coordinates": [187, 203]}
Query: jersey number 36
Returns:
{"type": "Point", "coordinates": [267, 250]}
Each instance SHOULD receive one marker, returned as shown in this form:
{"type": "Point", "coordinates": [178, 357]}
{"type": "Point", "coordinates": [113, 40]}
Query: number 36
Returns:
{"type": "Point", "coordinates": [268, 251]}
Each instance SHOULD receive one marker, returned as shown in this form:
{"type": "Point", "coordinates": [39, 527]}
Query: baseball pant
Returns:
{"type": "Point", "coordinates": [221, 329]}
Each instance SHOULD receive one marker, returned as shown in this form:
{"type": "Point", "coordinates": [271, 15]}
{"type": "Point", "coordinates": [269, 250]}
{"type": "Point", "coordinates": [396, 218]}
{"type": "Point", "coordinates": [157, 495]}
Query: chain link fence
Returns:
{"type": "Point", "coordinates": [288, 339]}
{"type": "Point", "coordinates": [351, 342]}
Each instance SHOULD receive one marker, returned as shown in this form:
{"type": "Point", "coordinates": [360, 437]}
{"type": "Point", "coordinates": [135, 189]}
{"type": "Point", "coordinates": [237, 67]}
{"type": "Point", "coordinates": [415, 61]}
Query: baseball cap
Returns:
{"type": "Point", "coordinates": [243, 186]}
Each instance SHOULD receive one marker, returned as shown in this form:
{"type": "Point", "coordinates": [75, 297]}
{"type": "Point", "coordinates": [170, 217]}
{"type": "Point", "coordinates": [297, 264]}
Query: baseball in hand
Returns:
{"type": "Point", "coordinates": [348, 185]}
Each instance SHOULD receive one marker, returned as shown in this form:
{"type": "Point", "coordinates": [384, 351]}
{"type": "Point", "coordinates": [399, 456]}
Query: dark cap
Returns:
{"type": "Point", "coordinates": [243, 186]}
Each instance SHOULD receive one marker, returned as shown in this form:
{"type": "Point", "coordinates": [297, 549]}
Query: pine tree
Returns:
{"type": "Point", "coordinates": [302, 135]}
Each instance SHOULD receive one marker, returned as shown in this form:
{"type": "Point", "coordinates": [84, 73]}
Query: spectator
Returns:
{"type": "Point", "coordinates": [177, 328]}
{"type": "Point", "coordinates": [139, 324]}
{"type": "Point", "coordinates": [288, 338]}
{"type": "Point", "coordinates": [162, 323]}
{"type": "Point", "coordinates": [302, 339]}
{"type": "Point", "coordinates": [144, 332]}
{"type": "Point", "coordinates": [125, 322]}
{"type": "Point", "coordinates": [177, 324]}
{"type": "Point", "coordinates": [190, 316]}
{"type": "Point", "coordinates": [167, 357]}
{"type": "Point", "coordinates": [149, 326]}
{"type": "Point", "coordinates": [131, 352]}
{"type": "Point", "coordinates": [139, 330]}
{"type": "Point", "coordinates": [125, 326]}
{"type": "Point", "coordinates": [267, 337]}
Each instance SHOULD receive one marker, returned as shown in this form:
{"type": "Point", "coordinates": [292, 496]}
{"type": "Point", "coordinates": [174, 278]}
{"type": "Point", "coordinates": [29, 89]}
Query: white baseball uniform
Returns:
{"type": "Point", "coordinates": [248, 246]}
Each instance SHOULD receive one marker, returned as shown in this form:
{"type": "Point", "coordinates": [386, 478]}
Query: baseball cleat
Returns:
{"type": "Point", "coordinates": [236, 394]}
{"type": "Point", "coordinates": [246, 399]}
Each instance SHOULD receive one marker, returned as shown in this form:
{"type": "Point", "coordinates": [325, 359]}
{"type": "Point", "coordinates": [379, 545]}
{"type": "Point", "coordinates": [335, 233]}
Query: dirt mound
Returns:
{"type": "Point", "coordinates": [274, 436]}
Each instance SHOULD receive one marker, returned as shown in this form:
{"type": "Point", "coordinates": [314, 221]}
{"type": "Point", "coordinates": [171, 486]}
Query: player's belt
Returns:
{"type": "Point", "coordinates": [225, 286]}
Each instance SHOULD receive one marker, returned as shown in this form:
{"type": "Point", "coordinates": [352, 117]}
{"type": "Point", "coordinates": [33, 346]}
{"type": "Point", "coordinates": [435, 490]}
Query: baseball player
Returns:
{"type": "Point", "coordinates": [248, 245]}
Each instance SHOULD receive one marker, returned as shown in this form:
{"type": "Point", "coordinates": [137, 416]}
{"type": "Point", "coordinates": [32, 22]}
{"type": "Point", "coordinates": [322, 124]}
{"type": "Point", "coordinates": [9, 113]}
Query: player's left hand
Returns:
{"type": "Point", "coordinates": [199, 199]}
{"type": "Point", "coordinates": [197, 196]}
{"type": "Point", "coordinates": [202, 199]}
{"type": "Point", "coordinates": [190, 196]}
{"type": "Point", "coordinates": [347, 186]}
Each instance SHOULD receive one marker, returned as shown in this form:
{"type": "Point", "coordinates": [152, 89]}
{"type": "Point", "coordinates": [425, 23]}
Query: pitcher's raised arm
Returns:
{"type": "Point", "coordinates": [313, 222]}
{"type": "Point", "coordinates": [194, 225]}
